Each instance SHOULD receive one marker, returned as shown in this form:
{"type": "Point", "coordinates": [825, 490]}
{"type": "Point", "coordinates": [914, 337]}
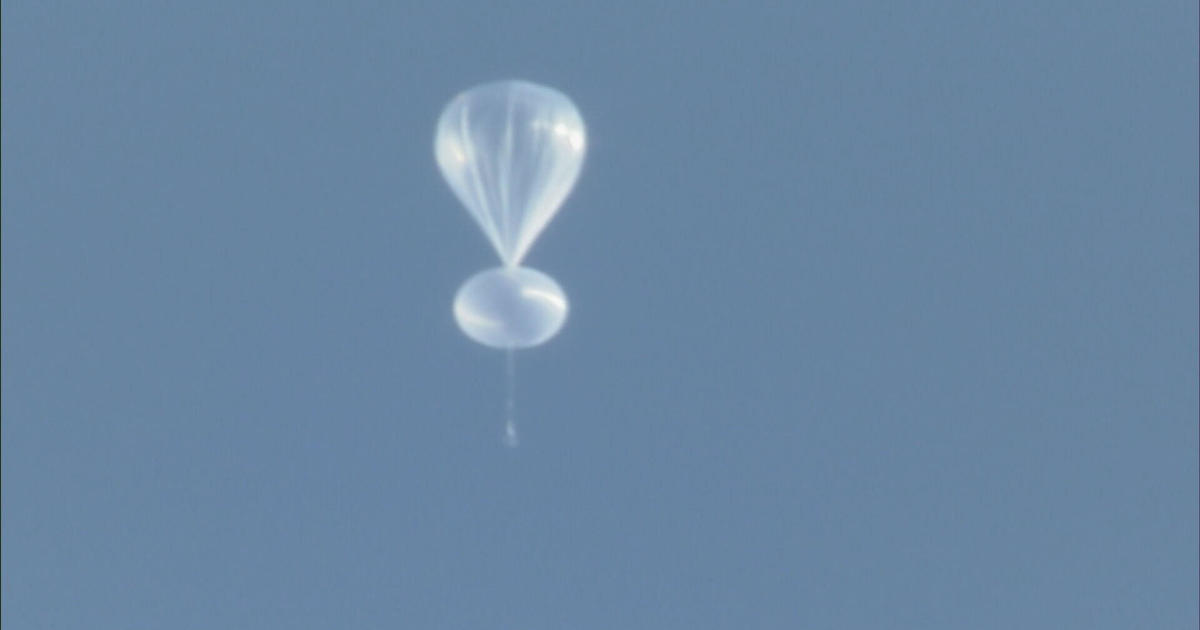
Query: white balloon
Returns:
{"type": "Point", "coordinates": [510, 307]}
{"type": "Point", "coordinates": [511, 151]}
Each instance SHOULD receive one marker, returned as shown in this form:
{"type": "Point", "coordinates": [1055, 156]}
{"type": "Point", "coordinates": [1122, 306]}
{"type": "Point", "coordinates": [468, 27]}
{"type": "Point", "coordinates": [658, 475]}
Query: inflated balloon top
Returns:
{"type": "Point", "coordinates": [511, 152]}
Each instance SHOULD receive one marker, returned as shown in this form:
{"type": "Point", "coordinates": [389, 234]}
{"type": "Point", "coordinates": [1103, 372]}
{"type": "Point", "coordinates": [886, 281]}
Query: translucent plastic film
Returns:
{"type": "Point", "coordinates": [510, 307]}
{"type": "Point", "coordinates": [511, 151]}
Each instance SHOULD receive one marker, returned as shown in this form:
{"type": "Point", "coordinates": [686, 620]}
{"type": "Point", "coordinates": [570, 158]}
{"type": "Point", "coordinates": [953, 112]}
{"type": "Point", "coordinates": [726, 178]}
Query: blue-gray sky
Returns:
{"type": "Point", "coordinates": [884, 315]}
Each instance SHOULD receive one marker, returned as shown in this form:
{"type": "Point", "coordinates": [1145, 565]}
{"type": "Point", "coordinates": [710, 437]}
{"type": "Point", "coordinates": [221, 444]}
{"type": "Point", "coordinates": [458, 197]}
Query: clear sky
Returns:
{"type": "Point", "coordinates": [884, 315]}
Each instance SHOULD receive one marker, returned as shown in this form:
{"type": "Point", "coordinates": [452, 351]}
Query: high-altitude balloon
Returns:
{"type": "Point", "coordinates": [511, 151]}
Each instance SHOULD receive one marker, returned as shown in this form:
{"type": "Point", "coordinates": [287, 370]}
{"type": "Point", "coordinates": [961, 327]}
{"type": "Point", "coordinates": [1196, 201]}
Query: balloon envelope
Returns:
{"type": "Point", "coordinates": [511, 151]}
{"type": "Point", "coordinates": [510, 307]}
